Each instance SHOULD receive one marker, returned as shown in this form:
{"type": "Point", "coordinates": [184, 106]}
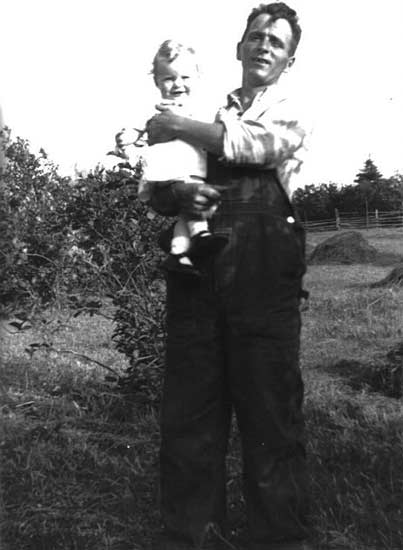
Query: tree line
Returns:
{"type": "Point", "coordinates": [369, 192]}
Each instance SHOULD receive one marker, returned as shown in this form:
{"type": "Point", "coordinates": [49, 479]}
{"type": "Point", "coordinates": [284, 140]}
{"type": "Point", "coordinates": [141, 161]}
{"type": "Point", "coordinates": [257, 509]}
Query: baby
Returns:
{"type": "Point", "coordinates": [175, 72]}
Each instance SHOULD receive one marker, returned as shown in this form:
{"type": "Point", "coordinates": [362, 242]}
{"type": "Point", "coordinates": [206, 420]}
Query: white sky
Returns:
{"type": "Point", "coordinates": [75, 71]}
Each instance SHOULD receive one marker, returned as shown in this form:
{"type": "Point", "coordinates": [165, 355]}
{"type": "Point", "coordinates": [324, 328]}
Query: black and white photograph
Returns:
{"type": "Point", "coordinates": [201, 275]}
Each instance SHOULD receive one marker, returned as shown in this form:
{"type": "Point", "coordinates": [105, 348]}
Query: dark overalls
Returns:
{"type": "Point", "coordinates": [233, 343]}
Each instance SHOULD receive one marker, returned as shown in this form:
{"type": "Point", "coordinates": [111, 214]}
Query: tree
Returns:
{"type": "Point", "coordinates": [369, 174]}
{"type": "Point", "coordinates": [317, 202]}
{"type": "Point", "coordinates": [396, 184]}
{"type": "Point", "coordinates": [369, 179]}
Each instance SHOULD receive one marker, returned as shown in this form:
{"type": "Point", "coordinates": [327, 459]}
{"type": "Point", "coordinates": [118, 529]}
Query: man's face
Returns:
{"type": "Point", "coordinates": [175, 80]}
{"type": "Point", "coordinates": [264, 50]}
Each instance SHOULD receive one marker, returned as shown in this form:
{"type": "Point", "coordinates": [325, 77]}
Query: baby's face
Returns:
{"type": "Point", "coordinates": [176, 80]}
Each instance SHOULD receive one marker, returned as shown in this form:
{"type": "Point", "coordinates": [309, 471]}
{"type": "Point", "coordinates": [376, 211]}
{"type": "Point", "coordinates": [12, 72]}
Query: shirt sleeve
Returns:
{"type": "Point", "coordinates": [268, 139]}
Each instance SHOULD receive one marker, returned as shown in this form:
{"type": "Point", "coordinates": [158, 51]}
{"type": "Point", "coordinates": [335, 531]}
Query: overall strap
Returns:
{"type": "Point", "coordinates": [248, 189]}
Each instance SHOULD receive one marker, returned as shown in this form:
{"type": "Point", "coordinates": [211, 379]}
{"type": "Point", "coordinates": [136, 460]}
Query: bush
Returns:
{"type": "Point", "coordinates": [34, 230]}
{"type": "Point", "coordinates": [81, 243]}
{"type": "Point", "coordinates": [117, 235]}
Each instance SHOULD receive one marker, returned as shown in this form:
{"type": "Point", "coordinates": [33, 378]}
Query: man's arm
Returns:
{"type": "Point", "coordinates": [168, 125]}
{"type": "Point", "coordinates": [268, 141]}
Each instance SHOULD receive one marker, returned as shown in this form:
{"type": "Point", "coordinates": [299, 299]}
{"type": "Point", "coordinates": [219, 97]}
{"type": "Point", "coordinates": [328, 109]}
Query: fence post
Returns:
{"type": "Point", "coordinates": [376, 218]}
{"type": "Point", "coordinates": [337, 216]}
{"type": "Point", "coordinates": [366, 213]}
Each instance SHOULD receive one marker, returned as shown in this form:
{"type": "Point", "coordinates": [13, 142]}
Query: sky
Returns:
{"type": "Point", "coordinates": [76, 71]}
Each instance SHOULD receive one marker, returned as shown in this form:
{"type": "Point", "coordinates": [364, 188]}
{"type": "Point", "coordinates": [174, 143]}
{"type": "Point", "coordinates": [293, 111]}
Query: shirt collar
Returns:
{"type": "Point", "coordinates": [268, 94]}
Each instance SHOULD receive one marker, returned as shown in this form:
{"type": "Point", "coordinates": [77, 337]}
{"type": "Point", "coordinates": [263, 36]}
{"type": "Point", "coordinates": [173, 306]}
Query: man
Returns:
{"type": "Point", "coordinates": [233, 336]}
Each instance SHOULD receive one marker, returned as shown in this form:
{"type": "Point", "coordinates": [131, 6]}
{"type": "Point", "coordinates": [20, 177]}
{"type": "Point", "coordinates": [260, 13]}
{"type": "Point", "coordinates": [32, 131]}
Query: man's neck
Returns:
{"type": "Point", "coordinates": [248, 93]}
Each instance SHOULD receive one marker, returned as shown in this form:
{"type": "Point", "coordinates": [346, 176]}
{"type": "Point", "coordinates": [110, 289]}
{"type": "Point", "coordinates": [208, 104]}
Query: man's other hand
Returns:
{"type": "Point", "coordinates": [195, 200]}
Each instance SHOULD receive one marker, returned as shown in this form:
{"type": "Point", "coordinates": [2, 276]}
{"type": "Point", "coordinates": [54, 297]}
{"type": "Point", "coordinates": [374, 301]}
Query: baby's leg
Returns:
{"type": "Point", "coordinates": [181, 240]}
{"type": "Point", "coordinates": [180, 244]}
{"type": "Point", "coordinates": [196, 226]}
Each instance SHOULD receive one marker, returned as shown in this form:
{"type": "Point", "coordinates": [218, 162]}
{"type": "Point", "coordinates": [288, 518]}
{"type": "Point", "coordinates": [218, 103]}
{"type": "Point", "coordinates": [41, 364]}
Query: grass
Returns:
{"type": "Point", "coordinates": [80, 464]}
{"type": "Point", "coordinates": [355, 437]}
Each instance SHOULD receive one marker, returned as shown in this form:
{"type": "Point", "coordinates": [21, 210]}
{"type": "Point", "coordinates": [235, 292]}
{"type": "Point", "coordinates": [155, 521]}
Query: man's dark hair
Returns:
{"type": "Point", "coordinates": [278, 10]}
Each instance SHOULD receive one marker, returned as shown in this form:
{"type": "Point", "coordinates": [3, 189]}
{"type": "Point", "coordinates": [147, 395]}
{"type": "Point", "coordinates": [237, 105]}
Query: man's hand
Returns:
{"type": "Point", "coordinates": [164, 126]}
{"type": "Point", "coordinates": [195, 200]}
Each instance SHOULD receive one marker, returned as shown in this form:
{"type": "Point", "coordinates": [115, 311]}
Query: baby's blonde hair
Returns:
{"type": "Point", "coordinates": [169, 51]}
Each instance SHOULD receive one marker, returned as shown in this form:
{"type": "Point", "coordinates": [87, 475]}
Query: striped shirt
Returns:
{"type": "Point", "coordinates": [268, 134]}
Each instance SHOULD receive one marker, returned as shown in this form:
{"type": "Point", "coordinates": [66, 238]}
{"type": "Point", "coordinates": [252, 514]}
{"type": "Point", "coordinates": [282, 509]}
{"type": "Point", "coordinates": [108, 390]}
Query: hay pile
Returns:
{"type": "Point", "coordinates": [348, 247]}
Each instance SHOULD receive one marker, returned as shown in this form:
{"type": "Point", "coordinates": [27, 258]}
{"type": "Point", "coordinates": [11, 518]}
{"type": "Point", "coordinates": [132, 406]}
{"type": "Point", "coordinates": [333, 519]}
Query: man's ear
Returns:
{"type": "Point", "coordinates": [290, 63]}
{"type": "Point", "coordinates": [238, 51]}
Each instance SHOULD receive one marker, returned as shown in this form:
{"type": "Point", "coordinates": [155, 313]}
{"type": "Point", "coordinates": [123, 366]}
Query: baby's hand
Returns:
{"type": "Point", "coordinates": [127, 136]}
{"type": "Point", "coordinates": [175, 106]}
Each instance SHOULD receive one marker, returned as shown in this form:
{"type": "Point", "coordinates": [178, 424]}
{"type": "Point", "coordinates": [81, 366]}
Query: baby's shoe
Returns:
{"type": "Point", "coordinates": [206, 243]}
{"type": "Point", "coordinates": [180, 263]}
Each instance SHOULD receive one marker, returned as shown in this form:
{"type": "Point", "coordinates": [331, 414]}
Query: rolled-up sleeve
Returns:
{"type": "Point", "coordinates": [269, 140]}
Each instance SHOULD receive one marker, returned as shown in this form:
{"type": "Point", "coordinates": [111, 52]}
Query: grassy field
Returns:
{"type": "Point", "coordinates": [79, 464]}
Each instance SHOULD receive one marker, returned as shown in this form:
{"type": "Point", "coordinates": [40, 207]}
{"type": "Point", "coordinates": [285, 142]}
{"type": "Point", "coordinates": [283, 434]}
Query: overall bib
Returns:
{"type": "Point", "coordinates": [233, 345]}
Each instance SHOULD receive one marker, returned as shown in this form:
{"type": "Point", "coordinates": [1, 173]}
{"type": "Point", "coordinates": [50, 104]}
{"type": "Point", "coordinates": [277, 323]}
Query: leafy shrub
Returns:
{"type": "Point", "coordinates": [117, 235]}
{"type": "Point", "coordinates": [34, 228]}
{"type": "Point", "coordinates": [79, 243]}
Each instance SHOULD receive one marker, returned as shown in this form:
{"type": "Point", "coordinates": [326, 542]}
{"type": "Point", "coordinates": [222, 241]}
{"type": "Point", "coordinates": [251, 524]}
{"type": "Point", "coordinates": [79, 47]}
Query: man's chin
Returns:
{"type": "Point", "coordinates": [180, 97]}
{"type": "Point", "coordinates": [259, 77]}
{"type": "Point", "coordinates": [259, 82]}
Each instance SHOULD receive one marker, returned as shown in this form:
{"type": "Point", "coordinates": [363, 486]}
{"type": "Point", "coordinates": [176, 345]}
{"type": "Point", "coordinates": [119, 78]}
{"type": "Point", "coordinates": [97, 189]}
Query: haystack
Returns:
{"type": "Point", "coordinates": [348, 247]}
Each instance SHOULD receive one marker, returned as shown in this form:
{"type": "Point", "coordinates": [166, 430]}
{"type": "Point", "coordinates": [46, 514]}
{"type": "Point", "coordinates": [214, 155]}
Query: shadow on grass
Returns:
{"type": "Point", "coordinates": [384, 377]}
{"type": "Point", "coordinates": [354, 451]}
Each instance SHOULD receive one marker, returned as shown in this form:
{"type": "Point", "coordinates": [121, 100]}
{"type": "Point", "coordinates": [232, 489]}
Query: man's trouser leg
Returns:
{"type": "Point", "coordinates": [268, 398]}
{"type": "Point", "coordinates": [263, 330]}
{"type": "Point", "coordinates": [195, 415]}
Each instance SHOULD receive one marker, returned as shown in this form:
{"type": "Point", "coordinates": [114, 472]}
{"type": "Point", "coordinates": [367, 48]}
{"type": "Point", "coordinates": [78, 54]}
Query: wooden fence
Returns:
{"type": "Point", "coordinates": [352, 220]}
